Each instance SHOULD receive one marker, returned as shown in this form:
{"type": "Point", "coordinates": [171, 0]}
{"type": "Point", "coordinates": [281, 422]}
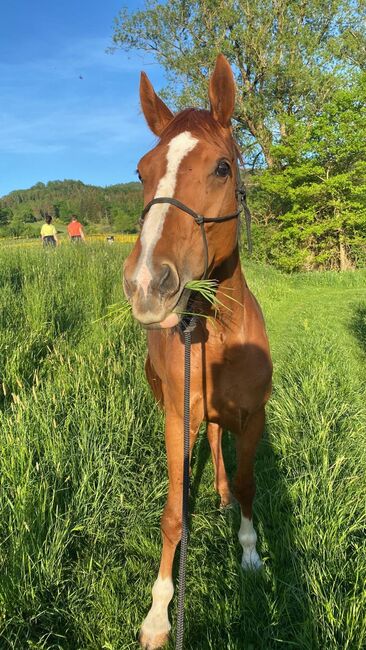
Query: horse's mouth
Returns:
{"type": "Point", "coordinates": [172, 320]}
{"type": "Point", "coordinates": [175, 315]}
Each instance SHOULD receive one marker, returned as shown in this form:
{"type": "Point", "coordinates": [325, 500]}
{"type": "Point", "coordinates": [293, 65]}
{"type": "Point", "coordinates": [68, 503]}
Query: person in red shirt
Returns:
{"type": "Point", "coordinates": [75, 230]}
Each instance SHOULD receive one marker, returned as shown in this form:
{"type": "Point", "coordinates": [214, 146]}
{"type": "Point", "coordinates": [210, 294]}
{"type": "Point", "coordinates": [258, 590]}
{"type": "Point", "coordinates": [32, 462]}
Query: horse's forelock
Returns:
{"type": "Point", "coordinates": [200, 123]}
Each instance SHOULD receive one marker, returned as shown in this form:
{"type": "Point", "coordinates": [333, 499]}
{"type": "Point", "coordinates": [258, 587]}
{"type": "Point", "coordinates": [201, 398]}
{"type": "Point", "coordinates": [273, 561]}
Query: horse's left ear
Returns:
{"type": "Point", "coordinates": [222, 91]}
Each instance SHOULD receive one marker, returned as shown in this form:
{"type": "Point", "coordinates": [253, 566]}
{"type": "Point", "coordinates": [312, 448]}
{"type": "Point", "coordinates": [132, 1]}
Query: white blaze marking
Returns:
{"type": "Point", "coordinates": [157, 622]}
{"type": "Point", "coordinates": [178, 148]}
{"type": "Point", "coordinates": [248, 539]}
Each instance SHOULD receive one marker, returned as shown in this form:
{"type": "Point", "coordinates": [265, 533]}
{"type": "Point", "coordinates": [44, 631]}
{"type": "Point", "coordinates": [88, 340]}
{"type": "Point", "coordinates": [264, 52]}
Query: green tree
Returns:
{"type": "Point", "coordinates": [27, 216]}
{"type": "Point", "coordinates": [5, 215]}
{"type": "Point", "coordinates": [286, 56]}
{"type": "Point", "coordinates": [316, 194]}
{"type": "Point", "coordinates": [122, 221]}
{"type": "Point", "coordinates": [61, 199]}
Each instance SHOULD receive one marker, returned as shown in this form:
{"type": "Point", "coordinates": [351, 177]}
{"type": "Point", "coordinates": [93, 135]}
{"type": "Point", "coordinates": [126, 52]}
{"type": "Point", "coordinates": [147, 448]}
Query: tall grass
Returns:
{"type": "Point", "coordinates": [83, 478]}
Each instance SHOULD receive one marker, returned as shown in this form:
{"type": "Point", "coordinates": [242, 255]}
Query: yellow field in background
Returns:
{"type": "Point", "coordinates": [18, 241]}
{"type": "Point", "coordinates": [119, 237]}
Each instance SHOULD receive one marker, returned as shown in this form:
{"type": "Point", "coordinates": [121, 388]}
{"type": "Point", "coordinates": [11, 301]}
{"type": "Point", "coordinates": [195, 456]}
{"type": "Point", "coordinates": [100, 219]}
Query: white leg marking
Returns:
{"type": "Point", "coordinates": [156, 625]}
{"type": "Point", "coordinates": [178, 148]}
{"type": "Point", "coordinates": [248, 539]}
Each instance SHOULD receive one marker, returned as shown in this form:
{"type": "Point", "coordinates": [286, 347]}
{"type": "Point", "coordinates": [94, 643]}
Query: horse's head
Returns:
{"type": "Point", "coordinates": [193, 162]}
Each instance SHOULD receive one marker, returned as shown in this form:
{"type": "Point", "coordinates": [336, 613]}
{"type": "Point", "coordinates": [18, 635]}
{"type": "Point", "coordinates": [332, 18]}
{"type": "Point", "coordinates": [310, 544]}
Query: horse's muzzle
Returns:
{"type": "Point", "coordinates": [153, 298]}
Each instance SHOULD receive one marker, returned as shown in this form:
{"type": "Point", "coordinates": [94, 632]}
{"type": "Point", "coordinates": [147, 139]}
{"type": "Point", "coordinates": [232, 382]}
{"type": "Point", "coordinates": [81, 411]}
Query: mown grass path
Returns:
{"type": "Point", "coordinates": [83, 478]}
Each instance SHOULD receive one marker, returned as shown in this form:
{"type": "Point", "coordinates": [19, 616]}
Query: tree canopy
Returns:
{"type": "Point", "coordinates": [300, 110]}
{"type": "Point", "coordinates": [286, 55]}
{"type": "Point", "coordinates": [317, 202]}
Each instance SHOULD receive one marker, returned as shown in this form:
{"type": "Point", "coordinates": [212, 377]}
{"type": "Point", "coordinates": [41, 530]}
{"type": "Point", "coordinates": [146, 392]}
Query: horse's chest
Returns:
{"type": "Point", "coordinates": [235, 382]}
{"type": "Point", "coordinates": [225, 387]}
{"type": "Point", "coordinates": [228, 380]}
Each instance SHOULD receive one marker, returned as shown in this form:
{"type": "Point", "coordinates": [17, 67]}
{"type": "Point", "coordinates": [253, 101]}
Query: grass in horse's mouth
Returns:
{"type": "Point", "coordinates": [206, 289]}
{"type": "Point", "coordinates": [120, 312]}
{"type": "Point", "coordinates": [199, 289]}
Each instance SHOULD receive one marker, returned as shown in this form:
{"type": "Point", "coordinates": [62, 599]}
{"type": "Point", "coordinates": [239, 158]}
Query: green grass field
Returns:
{"type": "Point", "coordinates": [83, 473]}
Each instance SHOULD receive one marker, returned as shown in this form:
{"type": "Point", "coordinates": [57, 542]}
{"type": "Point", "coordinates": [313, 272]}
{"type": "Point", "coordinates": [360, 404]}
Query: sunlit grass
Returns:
{"type": "Point", "coordinates": [119, 313]}
{"type": "Point", "coordinates": [83, 468]}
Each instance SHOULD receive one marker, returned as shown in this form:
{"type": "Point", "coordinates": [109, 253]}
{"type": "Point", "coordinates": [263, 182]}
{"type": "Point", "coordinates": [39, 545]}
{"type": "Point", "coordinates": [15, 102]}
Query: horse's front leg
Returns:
{"type": "Point", "coordinates": [156, 626]}
{"type": "Point", "coordinates": [244, 486]}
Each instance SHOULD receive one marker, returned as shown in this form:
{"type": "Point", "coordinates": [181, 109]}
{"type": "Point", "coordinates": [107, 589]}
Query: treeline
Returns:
{"type": "Point", "coordinates": [116, 206]}
{"type": "Point", "coordinates": [300, 116]}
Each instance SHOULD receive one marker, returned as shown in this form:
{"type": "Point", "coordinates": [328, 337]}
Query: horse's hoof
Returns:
{"type": "Point", "coordinates": [227, 500]}
{"type": "Point", "coordinates": [152, 639]}
{"type": "Point", "coordinates": [251, 561]}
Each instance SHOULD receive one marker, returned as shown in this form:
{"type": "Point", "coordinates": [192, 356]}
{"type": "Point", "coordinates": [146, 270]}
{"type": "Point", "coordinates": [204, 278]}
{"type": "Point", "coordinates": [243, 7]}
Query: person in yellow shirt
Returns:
{"type": "Point", "coordinates": [49, 233]}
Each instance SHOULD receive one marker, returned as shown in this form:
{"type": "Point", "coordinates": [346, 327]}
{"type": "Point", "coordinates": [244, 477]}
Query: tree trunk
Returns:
{"type": "Point", "coordinates": [345, 263]}
{"type": "Point", "coordinates": [261, 134]}
{"type": "Point", "coordinates": [269, 160]}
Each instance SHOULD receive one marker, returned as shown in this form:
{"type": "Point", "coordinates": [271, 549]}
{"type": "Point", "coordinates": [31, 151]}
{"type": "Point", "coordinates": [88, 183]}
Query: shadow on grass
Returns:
{"type": "Point", "coordinates": [253, 609]}
{"type": "Point", "coordinates": [358, 325]}
{"type": "Point", "coordinates": [270, 608]}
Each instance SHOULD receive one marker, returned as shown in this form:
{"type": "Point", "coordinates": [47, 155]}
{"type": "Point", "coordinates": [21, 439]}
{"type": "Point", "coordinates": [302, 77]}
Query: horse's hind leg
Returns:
{"type": "Point", "coordinates": [156, 626]}
{"type": "Point", "coordinates": [214, 435]}
{"type": "Point", "coordinates": [244, 487]}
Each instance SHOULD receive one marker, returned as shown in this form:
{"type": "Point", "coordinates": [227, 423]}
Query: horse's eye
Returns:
{"type": "Point", "coordinates": [222, 169]}
{"type": "Point", "coordinates": [139, 176]}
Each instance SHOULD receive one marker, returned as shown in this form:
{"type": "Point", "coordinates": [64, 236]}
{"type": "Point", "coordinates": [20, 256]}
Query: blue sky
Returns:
{"type": "Point", "coordinates": [54, 125]}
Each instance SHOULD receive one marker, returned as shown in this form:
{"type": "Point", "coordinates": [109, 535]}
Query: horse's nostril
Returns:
{"type": "Point", "coordinates": [168, 280]}
{"type": "Point", "coordinates": [129, 286]}
{"type": "Point", "coordinates": [164, 278]}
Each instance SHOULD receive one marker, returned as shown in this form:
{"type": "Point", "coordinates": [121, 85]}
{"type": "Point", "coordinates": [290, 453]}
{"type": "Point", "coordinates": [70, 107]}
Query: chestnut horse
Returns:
{"type": "Point", "coordinates": [195, 162]}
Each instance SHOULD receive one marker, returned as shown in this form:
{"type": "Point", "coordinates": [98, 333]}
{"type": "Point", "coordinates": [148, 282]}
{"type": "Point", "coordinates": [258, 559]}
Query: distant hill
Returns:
{"type": "Point", "coordinates": [116, 205]}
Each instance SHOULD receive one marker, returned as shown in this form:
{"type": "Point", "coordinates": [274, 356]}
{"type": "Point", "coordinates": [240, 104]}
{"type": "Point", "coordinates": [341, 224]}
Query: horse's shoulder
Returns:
{"type": "Point", "coordinates": [154, 381]}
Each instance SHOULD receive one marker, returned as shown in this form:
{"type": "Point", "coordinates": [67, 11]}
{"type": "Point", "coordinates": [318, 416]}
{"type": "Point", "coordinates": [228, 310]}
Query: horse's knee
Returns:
{"type": "Point", "coordinates": [171, 524]}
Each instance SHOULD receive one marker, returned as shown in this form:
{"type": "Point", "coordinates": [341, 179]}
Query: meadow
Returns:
{"type": "Point", "coordinates": [83, 471]}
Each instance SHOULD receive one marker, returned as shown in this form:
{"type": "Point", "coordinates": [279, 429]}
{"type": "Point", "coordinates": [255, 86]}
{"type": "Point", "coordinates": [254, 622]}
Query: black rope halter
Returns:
{"type": "Point", "coordinates": [201, 220]}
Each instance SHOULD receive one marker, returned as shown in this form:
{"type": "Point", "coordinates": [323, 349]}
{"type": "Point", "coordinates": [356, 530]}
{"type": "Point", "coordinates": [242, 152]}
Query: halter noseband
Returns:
{"type": "Point", "coordinates": [201, 220]}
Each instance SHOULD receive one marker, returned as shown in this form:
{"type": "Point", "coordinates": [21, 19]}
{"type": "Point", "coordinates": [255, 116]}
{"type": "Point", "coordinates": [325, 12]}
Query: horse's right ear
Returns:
{"type": "Point", "coordinates": [157, 114]}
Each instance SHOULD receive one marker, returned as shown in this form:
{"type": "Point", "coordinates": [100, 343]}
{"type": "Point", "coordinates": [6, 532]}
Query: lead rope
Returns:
{"type": "Point", "coordinates": [184, 539]}
{"type": "Point", "coordinates": [187, 333]}
{"type": "Point", "coordinates": [186, 429]}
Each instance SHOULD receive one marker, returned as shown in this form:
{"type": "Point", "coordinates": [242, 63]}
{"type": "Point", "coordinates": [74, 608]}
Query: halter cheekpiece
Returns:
{"type": "Point", "coordinates": [201, 220]}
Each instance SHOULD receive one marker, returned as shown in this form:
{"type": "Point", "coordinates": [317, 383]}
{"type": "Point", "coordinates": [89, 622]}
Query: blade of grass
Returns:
{"type": "Point", "coordinates": [124, 310]}
{"type": "Point", "coordinates": [208, 290]}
